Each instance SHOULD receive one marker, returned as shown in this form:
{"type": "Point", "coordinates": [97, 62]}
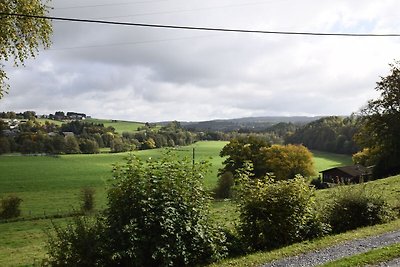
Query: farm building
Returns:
{"type": "Point", "coordinates": [346, 174]}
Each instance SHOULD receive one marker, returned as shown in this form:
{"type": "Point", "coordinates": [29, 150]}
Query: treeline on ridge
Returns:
{"type": "Point", "coordinates": [331, 134]}
{"type": "Point", "coordinates": [33, 137]}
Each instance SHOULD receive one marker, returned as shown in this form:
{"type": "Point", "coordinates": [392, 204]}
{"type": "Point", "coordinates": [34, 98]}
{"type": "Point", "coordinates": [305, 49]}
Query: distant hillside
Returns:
{"type": "Point", "coordinates": [250, 123]}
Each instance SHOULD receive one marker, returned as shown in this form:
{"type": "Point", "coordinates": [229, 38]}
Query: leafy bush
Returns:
{"type": "Point", "coordinates": [353, 207]}
{"type": "Point", "coordinates": [87, 198]}
{"type": "Point", "coordinates": [157, 215]}
{"type": "Point", "coordinates": [277, 213]}
{"type": "Point", "coordinates": [81, 243]}
{"type": "Point", "coordinates": [9, 207]}
{"type": "Point", "coordinates": [224, 186]}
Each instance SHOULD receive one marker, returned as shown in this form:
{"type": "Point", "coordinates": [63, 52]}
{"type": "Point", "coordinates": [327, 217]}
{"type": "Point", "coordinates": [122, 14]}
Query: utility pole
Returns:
{"type": "Point", "coordinates": [193, 157]}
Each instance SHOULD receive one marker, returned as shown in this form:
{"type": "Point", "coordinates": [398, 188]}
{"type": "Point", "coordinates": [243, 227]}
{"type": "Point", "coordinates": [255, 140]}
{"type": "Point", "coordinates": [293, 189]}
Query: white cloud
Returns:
{"type": "Point", "coordinates": [159, 74]}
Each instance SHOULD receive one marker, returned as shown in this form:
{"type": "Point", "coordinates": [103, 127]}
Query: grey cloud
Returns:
{"type": "Point", "coordinates": [153, 74]}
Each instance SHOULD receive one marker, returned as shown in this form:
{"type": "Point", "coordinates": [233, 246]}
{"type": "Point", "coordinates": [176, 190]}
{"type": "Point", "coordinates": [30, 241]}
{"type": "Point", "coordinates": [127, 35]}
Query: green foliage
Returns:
{"type": "Point", "coordinates": [157, 215]}
{"type": "Point", "coordinates": [287, 161]}
{"type": "Point", "coordinates": [330, 134]}
{"type": "Point", "coordinates": [224, 186]}
{"type": "Point", "coordinates": [87, 199]}
{"type": "Point", "coordinates": [88, 146]}
{"type": "Point", "coordinates": [241, 150]}
{"type": "Point", "coordinates": [9, 207]}
{"type": "Point", "coordinates": [119, 145]}
{"type": "Point", "coordinates": [71, 145]}
{"type": "Point", "coordinates": [80, 243]}
{"type": "Point", "coordinates": [277, 213]}
{"type": "Point", "coordinates": [353, 207]}
{"type": "Point", "coordinates": [20, 38]}
{"type": "Point", "coordinates": [381, 125]}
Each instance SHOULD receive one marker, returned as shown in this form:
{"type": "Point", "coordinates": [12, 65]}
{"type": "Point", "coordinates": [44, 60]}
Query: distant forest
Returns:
{"type": "Point", "coordinates": [28, 135]}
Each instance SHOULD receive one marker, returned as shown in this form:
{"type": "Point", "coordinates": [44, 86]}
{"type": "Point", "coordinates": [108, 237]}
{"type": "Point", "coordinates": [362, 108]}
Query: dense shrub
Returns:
{"type": "Point", "coordinates": [353, 207]}
{"type": "Point", "coordinates": [224, 186]}
{"type": "Point", "coordinates": [80, 243]}
{"type": "Point", "coordinates": [277, 213]}
{"type": "Point", "coordinates": [157, 215]}
{"type": "Point", "coordinates": [10, 207]}
{"type": "Point", "coordinates": [87, 199]}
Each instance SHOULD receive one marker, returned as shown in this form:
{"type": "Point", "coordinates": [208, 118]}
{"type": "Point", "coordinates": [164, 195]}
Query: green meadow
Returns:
{"type": "Point", "coordinates": [51, 186]}
{"type": "Point", "coordinates": [120, 126]}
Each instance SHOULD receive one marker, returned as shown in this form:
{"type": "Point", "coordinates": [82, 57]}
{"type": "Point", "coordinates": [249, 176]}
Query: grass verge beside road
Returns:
{"type": "Point", "coordinates": [257, 259]}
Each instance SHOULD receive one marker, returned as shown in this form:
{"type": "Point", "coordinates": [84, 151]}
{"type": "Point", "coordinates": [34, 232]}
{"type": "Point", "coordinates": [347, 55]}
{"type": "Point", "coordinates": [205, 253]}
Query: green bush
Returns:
{"type": "Point", "coordinates": [10, 207]}
{"type": "Point", "coordinates": [80, 243]}
{"type": "Point", "coordinates": [157, 215]}
{"type": "Point", "coordinates": [353, 207]}
{"type": "Point", "coordinates": [224, 186]}
{"type": "Point", "coordinates": [87, 199]}
{"type": "Point", "coordinates": [277, 213]}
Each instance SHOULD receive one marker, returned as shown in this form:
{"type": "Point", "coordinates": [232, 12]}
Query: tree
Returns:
{"type": "Point", "coordinates": [71, 145]}
{"type": "Point", "coordinates": [285, 162]}
{"type": "Point", "coordinates": [20, 37]}
{"type": "Point", "coordinates": [381, 125]}
{"type": "Point", "coordinates": [241, 150]}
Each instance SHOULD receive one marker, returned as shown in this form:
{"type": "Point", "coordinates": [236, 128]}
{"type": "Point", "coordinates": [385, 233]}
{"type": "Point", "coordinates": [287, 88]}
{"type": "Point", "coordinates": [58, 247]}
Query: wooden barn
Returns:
{"type": "Point", "coordinates": [346, 174]}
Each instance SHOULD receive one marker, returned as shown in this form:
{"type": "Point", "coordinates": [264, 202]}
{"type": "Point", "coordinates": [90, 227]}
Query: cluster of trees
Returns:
{"type": "Point", "coordinates": [331, 134]}
{"type": "Point", "coordinates": [70, 138]}
{"type": "Point", "coordinates": [379, 133]}
{"type": "Point", "coordinates": [259, 158]}
{"type": "Point", "coordinates": [284, 161]}
{"type": "Point", "coordinates": [78, 136]}
{"type": "Point", "coordinates": [27, 115]}
{"type": "Point", "coordinates": [169, 135]}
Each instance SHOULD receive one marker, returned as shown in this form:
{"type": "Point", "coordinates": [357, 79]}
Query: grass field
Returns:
{"type": "Point", "coordinates": [325, 160]}
{"type": "Point", "coordinates": [51, 185]}
{"type": "Point", "coordinates": [120, 126]}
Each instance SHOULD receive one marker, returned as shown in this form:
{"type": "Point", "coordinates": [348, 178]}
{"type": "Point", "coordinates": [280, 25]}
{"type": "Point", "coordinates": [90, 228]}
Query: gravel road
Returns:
{"type": "Point", "coordinates": [341, 250]}
{"type": "Point", "coordinates": [392, 263]}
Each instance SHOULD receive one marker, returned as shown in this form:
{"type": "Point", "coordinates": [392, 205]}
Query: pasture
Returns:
{"type": "Point", "coordinates": [51, 185]}
{"type": "Point", "coordinates": [120, 126]}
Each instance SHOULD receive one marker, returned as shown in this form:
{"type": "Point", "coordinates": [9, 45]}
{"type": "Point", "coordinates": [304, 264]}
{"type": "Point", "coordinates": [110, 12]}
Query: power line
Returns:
{"type": "Point", "coordinates": [188, 10]}
{"type": "Point", "coordinates": [113, 4]}
{"type": "Point", "coordinates": [164, 26]}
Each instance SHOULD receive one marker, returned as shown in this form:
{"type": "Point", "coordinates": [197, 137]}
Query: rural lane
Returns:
{"type": "Point", "coordinates": [341, 250]}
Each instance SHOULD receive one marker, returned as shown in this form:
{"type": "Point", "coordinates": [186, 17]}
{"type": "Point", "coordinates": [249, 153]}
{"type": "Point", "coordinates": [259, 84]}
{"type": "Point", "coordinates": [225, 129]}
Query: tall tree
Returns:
{"type": "Point", "coordinates": [241, 150]}
{"type": "Point", "coordinates": [21, 37]}
{"type": "Point", "coordinates": [287, 161]}
{"type": "Point", "coordinates": [381, 125]}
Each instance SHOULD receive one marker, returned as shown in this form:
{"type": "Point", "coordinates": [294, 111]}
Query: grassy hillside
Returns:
{"type": "Point", "coordinates": [50, 185]}
{"type": "Point", "coordinates": [120, 126]}
{"type": "Point", "coordinates": [325, 160]}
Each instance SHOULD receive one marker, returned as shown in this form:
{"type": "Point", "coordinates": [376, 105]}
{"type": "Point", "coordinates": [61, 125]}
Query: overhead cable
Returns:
{"type": "Point", "coordinates": [164, 26]}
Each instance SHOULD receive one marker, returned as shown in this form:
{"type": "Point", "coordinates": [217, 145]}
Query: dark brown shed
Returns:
{"type": "Point", "coordinates": [346, 174]}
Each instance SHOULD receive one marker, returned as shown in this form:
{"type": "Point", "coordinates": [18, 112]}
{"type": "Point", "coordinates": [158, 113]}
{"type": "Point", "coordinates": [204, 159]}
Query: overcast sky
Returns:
{"type": "Point", "coordinates": [147, 74]}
